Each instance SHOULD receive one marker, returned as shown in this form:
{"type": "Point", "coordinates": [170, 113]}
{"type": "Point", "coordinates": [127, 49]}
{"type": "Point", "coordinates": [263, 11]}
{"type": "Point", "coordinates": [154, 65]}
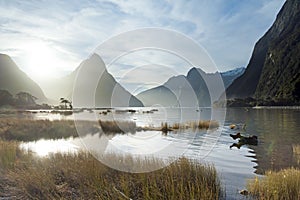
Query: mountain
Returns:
{"type": "Point", "coordinates": [54, 89]}
{"type": "Point", "coordinates": [273, 71]}
{"type": "Point", "coordinates": [229, 76]}
{"type": "Point", "coordinates": [189, 90]}
{"type": "Point", "coordinates": [93, 85]}
{"type": "Point", "coordinates": [14, 80]}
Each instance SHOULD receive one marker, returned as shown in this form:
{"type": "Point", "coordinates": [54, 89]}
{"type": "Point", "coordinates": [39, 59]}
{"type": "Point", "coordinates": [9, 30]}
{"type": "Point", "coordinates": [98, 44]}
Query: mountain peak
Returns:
{"type": "Point", "coordinates": [195, 70]}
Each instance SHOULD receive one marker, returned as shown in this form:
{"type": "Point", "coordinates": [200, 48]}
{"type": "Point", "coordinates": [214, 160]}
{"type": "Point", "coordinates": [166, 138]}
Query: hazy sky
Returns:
{"type": "Point", "coordinates": [51, 38]}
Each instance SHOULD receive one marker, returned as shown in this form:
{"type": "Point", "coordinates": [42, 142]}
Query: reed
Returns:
{"type": "Point", "coordinates": [118, 126]}
{"type": "Point", "coordinates": [8, 154]}
{"type": "Point", "coordinates": [284, 184]}
{"type": "Point", "coordinates": [81, 176]}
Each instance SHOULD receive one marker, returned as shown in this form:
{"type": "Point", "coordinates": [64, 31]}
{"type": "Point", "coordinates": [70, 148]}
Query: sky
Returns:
{"type": "Point", "coordinates": [51, 38]}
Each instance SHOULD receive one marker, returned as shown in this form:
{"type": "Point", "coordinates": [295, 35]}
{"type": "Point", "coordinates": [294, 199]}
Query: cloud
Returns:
{"type": "Point", "coordinates": [227, 30]}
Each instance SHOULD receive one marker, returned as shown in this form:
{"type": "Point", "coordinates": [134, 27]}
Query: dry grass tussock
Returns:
{"type": "Point", "coordinates": [284, 184]}
{"type": "Point", "coordinates": [81, 176]}
{"type": "Point", "coordinates": [118, 126]}
{"type": "Point", "coordinates": [201, 124]}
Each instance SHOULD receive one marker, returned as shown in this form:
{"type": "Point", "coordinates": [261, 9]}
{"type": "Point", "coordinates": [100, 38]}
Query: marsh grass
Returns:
{"type": "Point", "coordinates": [208, 124]}
{"type": "Point", "coordinates": [201, 124]}
{"type": "Point", "coordinates": [118, 126]}
{"type": "Point", "coordinates": [8, 154]}
{"type": "Point", "coordinates": [296, 153]}
{"type": "Point", "coordinates": [30, 130]}
{"type": "Point", "coordinates": [81, 176]}
{"type": "Point", "coordinates": [284, 184]}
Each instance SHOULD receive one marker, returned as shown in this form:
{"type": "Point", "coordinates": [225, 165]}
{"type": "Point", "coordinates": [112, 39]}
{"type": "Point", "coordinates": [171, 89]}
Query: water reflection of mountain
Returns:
{"type": "Point", "coordinates": [278, 133]}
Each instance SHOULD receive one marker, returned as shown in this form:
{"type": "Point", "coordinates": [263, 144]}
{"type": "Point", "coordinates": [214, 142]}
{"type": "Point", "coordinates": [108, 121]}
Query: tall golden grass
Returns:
{"type": "Point", "coordinates": [30, 130]}
{"type": "Point", "coordinates": [81, 176]}
{"type": "Point", "coordinates": [118, 126]}
{"type": "Point", "coordinates": [284, 184]}
{"type": "Point", "coordinates": [296, 153]}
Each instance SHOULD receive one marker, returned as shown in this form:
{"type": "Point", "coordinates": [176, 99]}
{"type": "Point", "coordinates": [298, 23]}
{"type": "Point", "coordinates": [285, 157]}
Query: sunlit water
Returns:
{"type": "Point", "coordinates": [277, 130]}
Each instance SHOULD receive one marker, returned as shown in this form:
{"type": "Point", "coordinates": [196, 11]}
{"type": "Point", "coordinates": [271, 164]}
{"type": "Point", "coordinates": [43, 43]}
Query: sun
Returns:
{"type": "Point", "coordinates": [42, 60]}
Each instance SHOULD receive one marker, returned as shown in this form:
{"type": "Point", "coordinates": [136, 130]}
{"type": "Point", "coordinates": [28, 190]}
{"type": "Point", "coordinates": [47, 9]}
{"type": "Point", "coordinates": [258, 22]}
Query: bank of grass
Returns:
{"type": "Point", "coordinates": [81, 176]}
{"type": "Point", "coordinates": [118, 126]}
{"type": "Point", "coordinates": [30, 130]}
{"type": "Point", "coordinates": [130, 126]}
{"type": "Point", "coordinates": [284, 184]}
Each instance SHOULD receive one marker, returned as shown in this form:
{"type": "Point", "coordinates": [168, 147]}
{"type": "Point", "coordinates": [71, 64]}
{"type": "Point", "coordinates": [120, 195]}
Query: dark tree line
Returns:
{"type": "Point", "coordinates": [20, 99]}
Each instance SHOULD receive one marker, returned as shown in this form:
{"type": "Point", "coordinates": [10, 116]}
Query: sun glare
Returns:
{"type": "Point", "coordinates": [42, 61]}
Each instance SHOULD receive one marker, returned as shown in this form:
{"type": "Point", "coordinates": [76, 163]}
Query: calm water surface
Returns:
{"type": "Point", "coordinates": [277, 130]}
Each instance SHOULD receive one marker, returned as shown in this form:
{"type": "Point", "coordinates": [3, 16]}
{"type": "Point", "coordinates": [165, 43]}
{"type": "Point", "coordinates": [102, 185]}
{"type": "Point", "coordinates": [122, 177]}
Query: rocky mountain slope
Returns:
{"type": "Point", "coordinates": [273, 71]}
{"type": "Point", "coordinates": [14, 80]}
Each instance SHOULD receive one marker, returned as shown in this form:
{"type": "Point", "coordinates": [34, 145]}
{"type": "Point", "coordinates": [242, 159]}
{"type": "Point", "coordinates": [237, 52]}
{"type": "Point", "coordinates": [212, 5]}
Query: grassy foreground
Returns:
{"type": "Point", "coordinates": [81, 176]}
{"type": "Point", "coordinates": [284, 184]}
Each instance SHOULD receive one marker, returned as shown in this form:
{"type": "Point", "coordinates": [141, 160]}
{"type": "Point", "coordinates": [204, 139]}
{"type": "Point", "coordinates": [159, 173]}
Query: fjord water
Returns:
{"type": "Point", "coordinates": [277, 130]}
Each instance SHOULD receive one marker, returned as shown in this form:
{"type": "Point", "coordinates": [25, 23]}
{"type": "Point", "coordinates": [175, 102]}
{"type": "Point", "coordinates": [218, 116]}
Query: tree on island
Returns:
{"type": "Point", "coordinates": [65, 102]}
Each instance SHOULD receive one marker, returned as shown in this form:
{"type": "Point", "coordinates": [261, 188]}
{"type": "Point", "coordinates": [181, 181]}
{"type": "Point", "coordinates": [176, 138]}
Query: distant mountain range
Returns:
{"type": "Point", "coordinates": [14, 80]}
{"type": "Point", "coordinates": [179, 90]}
{"type": "Point", "coordinates": [273, 72]}
{"type": "Point", "coordinates": [189, 90]}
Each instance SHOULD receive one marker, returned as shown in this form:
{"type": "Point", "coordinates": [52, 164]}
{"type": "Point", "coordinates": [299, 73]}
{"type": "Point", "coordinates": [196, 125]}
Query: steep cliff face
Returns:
{"type": "Point", "coordinates": [280, 77]}
{"type": "Point", "coordinates": [273, 70]}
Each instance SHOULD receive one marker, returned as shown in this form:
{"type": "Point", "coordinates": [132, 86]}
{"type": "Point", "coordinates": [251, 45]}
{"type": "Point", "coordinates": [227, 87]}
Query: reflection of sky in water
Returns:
{"type": "Point", "coordinates": [149, 143]}
{"type": "Point", "coordinates": [45, 147]}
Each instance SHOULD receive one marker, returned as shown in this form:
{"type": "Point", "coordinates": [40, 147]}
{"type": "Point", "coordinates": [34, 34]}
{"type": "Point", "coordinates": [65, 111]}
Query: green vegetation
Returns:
{"type": "Point", "coordinates": [81, 176]}
{"type": "Point", "coordinates": [30, 130]}
{"type": "Point", "coordinates": [20, 99]}
{"type": "Point", "coordinates": [272, 75]}
{"type": "Point", "coordinates": [252, 102]}
{"type": "Point", "coordinates": [284, 184]}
